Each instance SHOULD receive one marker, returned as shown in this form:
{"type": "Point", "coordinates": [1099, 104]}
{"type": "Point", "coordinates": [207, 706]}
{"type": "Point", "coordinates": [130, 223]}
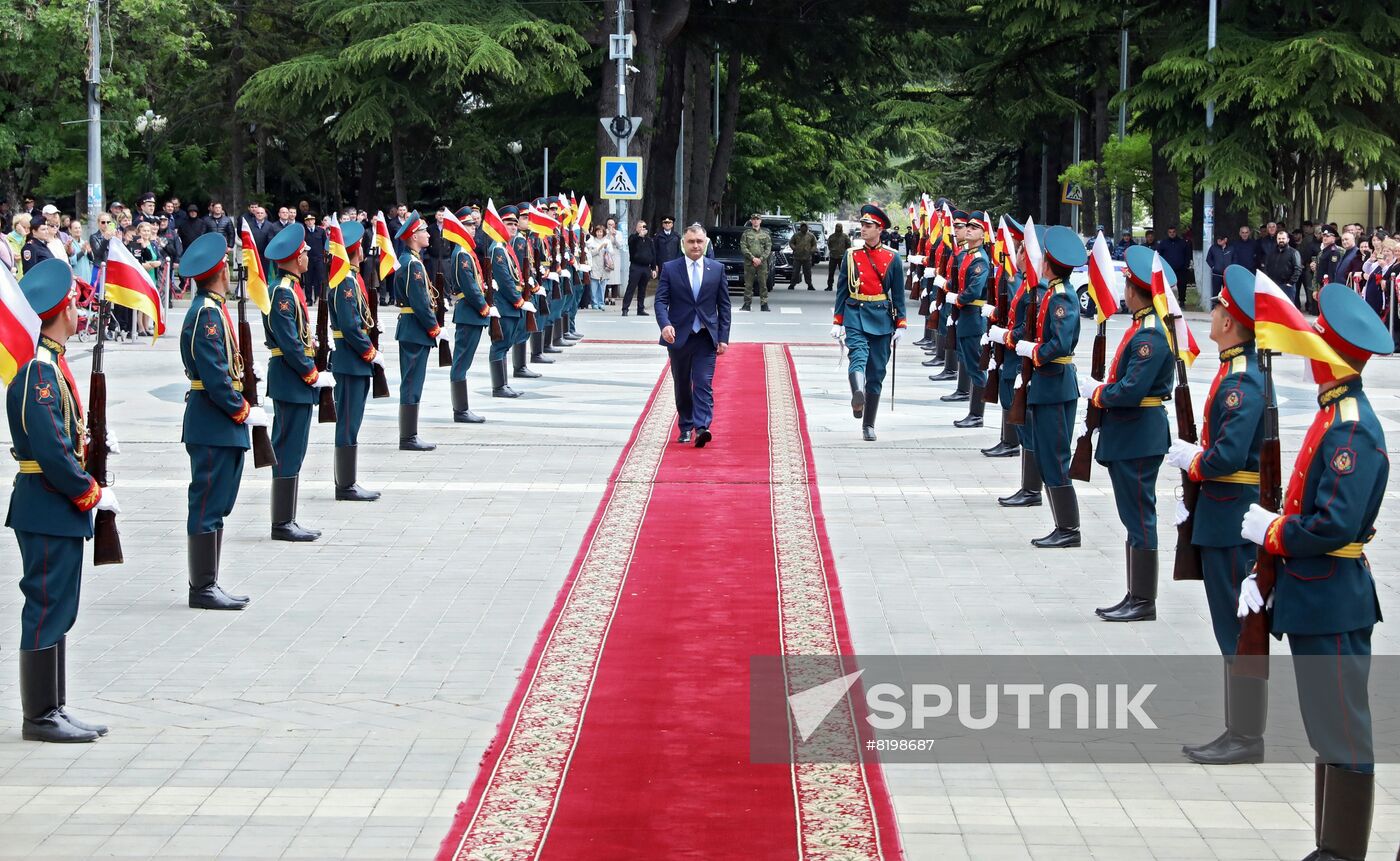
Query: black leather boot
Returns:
{"type": "Point", "coordinates": [867, 422]}
{"type": "Point", "coordinates": [62, 670]}
{"type": "Point", "coordinates": [461, 406]}
{"type": "Point", "coordinates": [924, 341]}
{"type": "Point", "coordinates": [39, 700]}
{"type": "Point", "coordinates": [560, 326]}
{"type": "Point", "coordinates": [1190, 749]}
{"type": "Point", "coordinates": [347, 488]}
{"type": "Point", "coordinates": [1029, 494]}
{"type": "Point", "coordinates": [1246, 713]}
{"type": "Point", "coordinates": [1140, 604]}
{"type": "Point", "coordinates": [1010, 444]}
{"type": "Point", "coordinates": [537, 349]}
{"type": "Point", "coordinates": [1064, 508]}
{"type": "Point", "coordinates": [284, 512]}
{"type": "Point", "coordinates": [499, 387]}
{"type": "Point", "coordinates": [521, 369]}
{"type": "Point", "coordinates": [1127, 561]}
{"type": "Point", "coordinates": [571, 332]}
{"type": "Point", "coordinates": [408, 430]}
{"type": "Point", "coordinates": [975, 409]}
{"type": "Point", "coordinates": [1348, 803]}
{"type": "Point", "coordinates": [950, 366]}
{"type": "Point", "coordinates": [549, 336]}
{"type": "Point", "coordinates": [202, 552]}
{"type": "Point", "coordinates": [964, 390]}
{"type": "Point", "coordinates": [857, 380]}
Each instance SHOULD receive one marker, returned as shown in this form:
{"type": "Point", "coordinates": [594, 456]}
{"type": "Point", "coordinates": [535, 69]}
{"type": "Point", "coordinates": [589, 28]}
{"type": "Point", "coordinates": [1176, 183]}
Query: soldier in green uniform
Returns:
{"type": "Point", "coordinates": [417, 331]}
{"type": "Point", "coordinates": [967, 300]}
{"type": "Point", "coordinates": [353, 362]}
{"type": "Point", "coordinates": [293, 383]}
{"type": "Point", "coordinates": [1226, 464]}
{"type": "Point", "coordinates": [1053, 396]}
{"type": "Point", "coordinates": [1324, 595]}
{"type": "Point", "coordinates": [836, 247]}
{"type": "Point", "coordinates": [217, 418]}
{"type": "Point", "coordinates": [756, 244]}
{"type": "Point", "coordinates": [471, 314]}
{"type": "Point", "coordinates": [804, 248]}
{"type": "Point", "coordinates": [510, 302]}
{"type": "Point", "coordinates": [869, 314]}
{"type": "Point", "coordinates": [51, 505]}
{"type": "Point", "coordinates": [1135, 434]}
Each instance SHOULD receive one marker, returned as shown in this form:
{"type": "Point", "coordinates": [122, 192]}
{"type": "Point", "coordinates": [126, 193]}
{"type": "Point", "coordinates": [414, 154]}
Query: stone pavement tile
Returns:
{"type": "Point", "coordinates": [133, 846]}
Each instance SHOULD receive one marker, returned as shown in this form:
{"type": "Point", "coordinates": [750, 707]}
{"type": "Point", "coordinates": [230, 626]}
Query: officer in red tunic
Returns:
{"type": "Point", "coordinates": [869, 315]}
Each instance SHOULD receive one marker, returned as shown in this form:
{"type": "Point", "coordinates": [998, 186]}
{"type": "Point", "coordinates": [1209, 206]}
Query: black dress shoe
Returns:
{"type": "Point", "coordinates": [1232, 749]}
{"type": "Point", "coordinates": [1021, 499]}
{"type": "Point", "coordinates": [53, 727]}
{"type": "Point", "coordinates": [292, 531]}
{"type": "Point", "coordinates": [1060, 537]}
{"type": "Point", "coordinates": [746, 307]}
{"type": "Point", "coordinates": [686, 437]}
{"type": "Point", "coordinates": [867, 433]}
{"type": "Point", "coordinates": [643, 314]}
{"type": "Point", "coordinates": [956, 396]}
{"type": "Point", "coordinates": [702, 436]}
{"type": "Point", "coordinates": [764, 307]}
{"type": "Point", "coordinates": [1133, 610]}
{"type": "Point", "coordinates": [969, 421]}
{"type": "Point", "coordinates": [624, 312]}
{"type": "Point", "coordinates": [1002, 449]}
{"type": "Point", "coordinates": [932, 363]}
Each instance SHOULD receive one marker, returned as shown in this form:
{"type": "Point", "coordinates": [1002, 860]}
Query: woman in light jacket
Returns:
{"type": "Point", "coordinates": [601, 252]}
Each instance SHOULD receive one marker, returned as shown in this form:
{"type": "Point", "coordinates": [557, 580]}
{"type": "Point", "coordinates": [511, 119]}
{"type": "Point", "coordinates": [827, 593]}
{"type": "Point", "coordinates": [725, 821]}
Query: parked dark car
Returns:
{"type": "Point", "coordinates": [726, 246]}
{"type": "Point", "coordinates": [780, 266]}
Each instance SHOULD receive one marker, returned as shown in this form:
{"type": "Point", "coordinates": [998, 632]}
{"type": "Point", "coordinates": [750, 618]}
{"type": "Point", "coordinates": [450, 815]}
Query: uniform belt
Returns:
{"type": "Point", "coordinates": [277, 351]}
{"type": "Point", "coordinates": [1354, 550]}
{"type": "Point", "coordinates": [198, 385]}
{"type": "Point", "coordinates": [1244, 476]}
{"type": "Point", "coordinates": [862, 297]}
{"type": "Point", "coordinates": [1150, 402]}
{"type": "Point", "coordinates": [336, 334]}
{"type": "Point", "coordinates": [459, 295]}
{"type": "Point", "coordinates": [978, 302]}
{"type": "Point", "coordinates": [1063, 360]}
{"type": "Point", "coordinates": [30, 467]}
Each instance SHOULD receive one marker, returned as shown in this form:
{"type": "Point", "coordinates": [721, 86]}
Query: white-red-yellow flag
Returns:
{"type": "Point", "coordinates": [337, 258]}
{"type": "Point", "coordinates": [1281, 327]}
{"type": "Point", "coordinates": [128, 285]}
{"type": "Point", "coordinates": [252, 263]}
{"type": "Point", "coordinates": [1164, 301]}
{"type": "Point", "coordinates": [388, 260]}
{"type": "Point", "coordinates": [493, 224]}
{"type": "Point", "coordinates": [1035, 255]}
{"type": "Point", "coordinates": [585, 215]}
{"type": "Point", "coordinates": [454, 231]}
{"type": "Point", "coordinates": [19, 326]}
{"type": "Point", "coordinates": [1101, 280]}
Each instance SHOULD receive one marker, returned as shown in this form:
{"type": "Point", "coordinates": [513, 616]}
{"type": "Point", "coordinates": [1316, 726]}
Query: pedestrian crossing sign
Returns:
{"type": "Point", "coordinates": [621, 178]}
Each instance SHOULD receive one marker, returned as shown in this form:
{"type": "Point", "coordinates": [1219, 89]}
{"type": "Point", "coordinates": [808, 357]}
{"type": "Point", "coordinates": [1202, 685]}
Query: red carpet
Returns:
{"type": "Point", "coordinates": [628, 735]}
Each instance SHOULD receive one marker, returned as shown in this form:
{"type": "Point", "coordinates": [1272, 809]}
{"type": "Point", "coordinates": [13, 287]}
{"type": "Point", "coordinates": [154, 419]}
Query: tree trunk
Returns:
{"type": "Point", "coordinates": [396, 158]}
{"type": "Point", "coordinates": [1026, 200]}
{"type": "Point", "coordinates": [697, 125]}
{"type": "Point", "coordinates": [237, 139]}
{"type": "Point", "coordinates": [728, 125]}
{"type": "Point", "coordinates": [1166, 191]}
{"type": "Point", "coordinates": [260, 162]}
{"type": "Point", "coordinates": [660, 181]}
{"type": "Point", "coordinates": [1102, 198]}
{"type": "Point", "coordinates": [369, 179]}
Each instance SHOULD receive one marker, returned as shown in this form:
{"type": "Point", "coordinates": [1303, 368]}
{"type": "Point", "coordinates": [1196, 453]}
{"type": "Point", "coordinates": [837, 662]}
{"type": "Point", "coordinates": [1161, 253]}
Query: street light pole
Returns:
{"type": "Point", "coordinates": [95, 202]}
{"type": "Point", "coordinates": [621, 205]}
{"type": "Point", "coordinates": [1203, 279]}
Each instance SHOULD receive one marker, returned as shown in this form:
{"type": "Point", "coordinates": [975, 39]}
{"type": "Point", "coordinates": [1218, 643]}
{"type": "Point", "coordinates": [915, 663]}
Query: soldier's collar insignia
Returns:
{"type": "Point", "coordinates": [43, 393]}
{"type": "Point", "coordinates": [1142, 312]}
{"type": "Point", "coordinates": [217, 297]}
{"type": "Point", "coordinates": [50, 344]}
{"type": "Point", "coordinates": [1231, 352]}
{"type": "Point", "coordinates": [1331, 396]}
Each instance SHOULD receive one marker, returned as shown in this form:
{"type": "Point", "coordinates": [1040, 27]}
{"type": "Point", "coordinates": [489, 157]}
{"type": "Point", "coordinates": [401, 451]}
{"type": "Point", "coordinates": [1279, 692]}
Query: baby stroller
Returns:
{"type": "Point", "coordinates": [89, 311]}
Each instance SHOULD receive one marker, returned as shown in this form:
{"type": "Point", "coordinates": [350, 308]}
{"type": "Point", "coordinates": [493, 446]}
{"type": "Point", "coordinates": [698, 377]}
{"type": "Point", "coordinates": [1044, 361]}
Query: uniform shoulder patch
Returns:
{"type": "Point", "coordinates": [1060, 312]}
{"type": "Point", "coordinates": [284, 305]}
{"type": "Point", "coordinates": [43, 392]}
{"type": "Point", "coordinates": [1233, 399]}
{"type": "Point", "coordinates": [211, 331]}
{"type": "Point", "coordinates": [1344, 461]}
{"type": "Point", "coordinates": [1144, 350]}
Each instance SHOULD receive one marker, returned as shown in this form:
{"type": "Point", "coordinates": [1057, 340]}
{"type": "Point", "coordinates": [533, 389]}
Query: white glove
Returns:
{"type": "Point", "coordinates": [838, 331]}
{"type": "Point", "coordinates": [112, 447]}
{"type": "Point", "coordinates": [1087, 384]}
{"type": "Point", "coordinates": [897, 333]}
{"type": "Point", "coordinates": [989, 311]}
{"type": "Point", "coordinates": [553, 276]}
{"type": "Point", "coordinates": [257, 418]}
{"type": "Point", "coordinates": [1025, 349]}
{"type": "Point", "coordinates": [1250, 599]}
{"type": "Point", "coordinates": [986, 339]}
{"type": "Point", "coordinates": [1182, 453]}
{"type": "Point", "coordinates": [324, 380]}
{"type": "Point", "coordinates": [1081, 430]}
{"type": "Point", "coordinates": [996, 333]}
{"type": "Point", "coordinates": [568, 273]}
{"type": "Point", "coordinates": [494, 312]}
{"type": "Point", "coordinates": [1182, 515]}
{"type": "Point", "coordinates": [1256, 523]}
{"type": "Point", "coordinates": [108, 501]}
{"type": "Point", "coordinates": [940, 282]}
{"type": "Point", "coordinates": [528, 307]}
{"type": "Point", "coordinates": [379, 359]}
{"type": "Point", "coordinates": [916, 259]}
{"type": "Point", "coordinates": [992, 363]}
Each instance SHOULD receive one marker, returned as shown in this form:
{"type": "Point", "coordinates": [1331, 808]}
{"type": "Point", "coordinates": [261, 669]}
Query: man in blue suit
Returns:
{"type": "Point", "coordinates": [692, 309]}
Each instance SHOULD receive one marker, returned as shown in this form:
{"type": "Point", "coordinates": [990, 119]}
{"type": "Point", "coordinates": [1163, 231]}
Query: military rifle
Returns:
{"type": "Point", "coordinates": [106, 540]}
{"type": "Point", "coordinates": [991, 393]}
{"type": "Point", "coordinates": [1017, 414]}
{"type": "Point", "coordinates": [263, 453]}
{"type": "Point", "coordinates": [1252, 650]}
{"type": "Point", "coordinates": [380, 383]}
{"type": "Point", "coordinates": [326, 410]}
{"type": "Point", "coordinates": [1188, 555]}
{"type": "Point", "coordinates": [439, 296]}
{"type": "Point", "coordinates": [1082, 464]}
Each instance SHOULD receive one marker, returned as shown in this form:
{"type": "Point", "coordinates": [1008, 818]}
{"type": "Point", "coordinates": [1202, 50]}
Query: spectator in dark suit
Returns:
{"type": "Point", "coordinates": [1325, 266]}
{"type": "Point", "coordinates": [314, 281]}
{"type": "Point", "coordinates": [1218, 258]}
{"type": "Point", "coordinates": [218, 221]}
{"type": "Point", "coordinates": [438, 251]}
{"type": "Point", "coordinates": [1176, 251]}
{"type": "Point", "coordinates": [1245, 250]}
{"type": "Point", "coordinates": [1284, 267]}
{"type": "Point", "coordinates": [1349, 263]}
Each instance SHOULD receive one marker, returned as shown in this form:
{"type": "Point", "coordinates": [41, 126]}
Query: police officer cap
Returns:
{"type": "Point", "coordinates": [205, 256]}
{"type": "Point", "coordinates": [1346, 322]}
{"type": "Point", "coordinates": [1064, 246]}
{"type": "Point", "coordinates": [352, 232]}
{"type": "Point", "coordinates": [959, 215]}
{"type": "Point", "coordinates": [1237, 294]}
{"type": "Point", "coordinates": [409, 225]}
{"type": "Point", "coordinates": [287, 244]}
{"type": "Point", "coordinates": [1139, 268]}
{"type": "Point", "coordinates": [48, 287]}
{"type": "Point", "coordinates": [464, 212]}
{"type": "Point", "coordinates": [873, 213]}
{"type": "Point", "coordinates": [509, 213]}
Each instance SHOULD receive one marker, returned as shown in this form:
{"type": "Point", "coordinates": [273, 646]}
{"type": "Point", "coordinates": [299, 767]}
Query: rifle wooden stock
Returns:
{"type": "Point", "coordinates": [1188, 556]}
{"type": "Point", "coordinates": [263, 453]}
{"type": "Point", "coordinates": [1017, 414]}
{"type": "Point", "coordinates": [380, 384]}
{"type": "Point", "coordinates": [991, 392]}
{"type": "Point", "coordinates": [326, 407]}
{"type": "Point", "coordinates": [1252, 649]}
{"type": "Point", "coordinates": [1082, 463]}
{"type": "Point", "coordinates": [914, 285]}
{"type": "Point", "coordinates": [1098, 367]}
{"type": "Point", "coordinates": [926, 305]}
{"type": "Point", "coordinates": [106, 540]}
{"type": "Point", "coordinates": [440, 309]}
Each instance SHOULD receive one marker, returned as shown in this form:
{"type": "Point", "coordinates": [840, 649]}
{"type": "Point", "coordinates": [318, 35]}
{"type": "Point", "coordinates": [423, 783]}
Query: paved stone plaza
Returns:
{"type": "Point", "coordinates": [344, 712]}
